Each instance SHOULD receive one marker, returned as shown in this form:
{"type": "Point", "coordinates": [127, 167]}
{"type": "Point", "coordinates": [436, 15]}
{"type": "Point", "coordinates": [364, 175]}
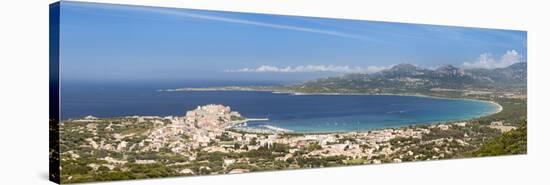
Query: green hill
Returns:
{"type": "Point", "coordinates": [512, 142]}
{"type": "Point", "coordinates": [407, 78]}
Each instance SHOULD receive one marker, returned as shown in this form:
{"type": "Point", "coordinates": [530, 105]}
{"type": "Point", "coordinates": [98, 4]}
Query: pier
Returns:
{"type": "Point", "coordinates": [244, 121]}
{"type": "Point", "coordinates": [256, 119]}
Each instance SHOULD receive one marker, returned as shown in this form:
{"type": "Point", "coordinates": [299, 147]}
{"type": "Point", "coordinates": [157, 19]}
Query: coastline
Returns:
{"type": "Point", "coordinates": [294, 93]}
{"type": "Point", "coordinates": [498, 109]}
{"type": "Point", "coordinates": [269, 128]}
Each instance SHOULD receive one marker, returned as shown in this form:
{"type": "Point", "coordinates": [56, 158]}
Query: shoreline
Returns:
{"type": "Point", "coordinates": [254, 130]}
{"type": "Point", "coordinates": [266, 129]}
{"type": "Point", "coordinates": [293, 93]}
{"type": "Point", "coordinates": [498, 110]}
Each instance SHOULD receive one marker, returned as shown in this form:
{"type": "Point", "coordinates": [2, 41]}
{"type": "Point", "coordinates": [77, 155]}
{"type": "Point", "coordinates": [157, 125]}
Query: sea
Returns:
{"type": "Point", "coordinates": [297, 113]}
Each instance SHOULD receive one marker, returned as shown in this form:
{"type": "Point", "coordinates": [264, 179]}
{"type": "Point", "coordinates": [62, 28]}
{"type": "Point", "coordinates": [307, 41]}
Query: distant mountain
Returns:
{"type": "Point", "coordinates": [407, 78]}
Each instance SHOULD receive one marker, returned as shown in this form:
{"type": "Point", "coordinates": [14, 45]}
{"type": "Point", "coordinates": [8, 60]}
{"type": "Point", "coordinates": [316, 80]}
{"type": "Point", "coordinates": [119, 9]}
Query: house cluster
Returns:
{"type": "Point", "coordinates": [205, 130]}
{"type": "Point", "coordinates": [204, 126]}
{"type": "Point", "coordinates": [200, 126]}
{"type": "Point", "coordinates": [499, 125]}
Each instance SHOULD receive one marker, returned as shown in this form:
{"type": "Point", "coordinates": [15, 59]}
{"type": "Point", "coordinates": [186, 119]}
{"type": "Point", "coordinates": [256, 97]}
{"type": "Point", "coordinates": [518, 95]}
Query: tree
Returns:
{"type": "Point", "coordinates": [103, 169]}
{"type": "Point", "coordinates": [253, 141]}
{"type": "Point", "coordinates": [314, 146]}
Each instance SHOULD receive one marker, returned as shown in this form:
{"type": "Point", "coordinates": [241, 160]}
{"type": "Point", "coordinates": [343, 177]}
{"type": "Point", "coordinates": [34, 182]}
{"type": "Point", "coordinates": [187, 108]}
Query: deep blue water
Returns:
{"type": "Point", "coordinates": [304, 113]}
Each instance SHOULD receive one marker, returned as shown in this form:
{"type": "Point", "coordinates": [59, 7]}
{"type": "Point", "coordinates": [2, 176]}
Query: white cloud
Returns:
{"type": "Point", "coordinates": [487, 61]}
{"type": "Point", "coordinates": [312, 68]}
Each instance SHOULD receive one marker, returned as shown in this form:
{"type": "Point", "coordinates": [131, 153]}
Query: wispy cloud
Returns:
{"type": "Point", "coordinates": [488, 61]}
{"type": "Point", "coordinates": [312, 68]}
{"type": "Point", "coordinates": [326, 31]}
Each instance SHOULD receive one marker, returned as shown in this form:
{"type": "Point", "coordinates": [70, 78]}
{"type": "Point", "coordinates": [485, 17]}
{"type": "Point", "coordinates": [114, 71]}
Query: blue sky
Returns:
{"type": "Point", "coordinates": [101, 42]}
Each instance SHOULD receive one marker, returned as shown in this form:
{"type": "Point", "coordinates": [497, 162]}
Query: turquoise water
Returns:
{"type": "Point", "coordinates": [340, 113]}
{"type": "Point", "coordinates": [299, 113]}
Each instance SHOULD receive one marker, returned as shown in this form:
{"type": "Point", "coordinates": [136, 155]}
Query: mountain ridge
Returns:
{"type": "Point", "coordinates": [410, 78]}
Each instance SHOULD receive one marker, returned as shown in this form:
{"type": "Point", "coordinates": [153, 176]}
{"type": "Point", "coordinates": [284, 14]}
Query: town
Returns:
{"type": "Point", "coordinates": [207, 140]}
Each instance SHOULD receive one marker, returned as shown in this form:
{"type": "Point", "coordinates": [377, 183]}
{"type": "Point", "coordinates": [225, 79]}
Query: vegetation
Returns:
{"type": "Point", "coordinates": [512, 142]}
{"type": "Point", "coordinates": [409, 79]}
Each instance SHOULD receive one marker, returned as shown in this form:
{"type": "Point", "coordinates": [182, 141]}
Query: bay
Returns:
{"type": "Point", "coordinates": [299, 113]}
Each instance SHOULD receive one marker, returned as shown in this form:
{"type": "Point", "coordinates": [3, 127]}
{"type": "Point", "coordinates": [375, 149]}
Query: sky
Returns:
{"type": "Point", "coordinates": [103, 42]}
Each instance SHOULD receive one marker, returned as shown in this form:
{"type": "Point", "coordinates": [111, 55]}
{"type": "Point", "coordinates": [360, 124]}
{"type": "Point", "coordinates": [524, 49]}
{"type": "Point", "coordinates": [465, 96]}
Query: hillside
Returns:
{"type": "Point", "coordinates": [513, 142]}
{"type": "Point", "coordinates": [407, 78]}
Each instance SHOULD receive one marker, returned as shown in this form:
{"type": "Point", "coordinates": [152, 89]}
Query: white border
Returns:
{"type": "Point", "coordinates": [24, 99]}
